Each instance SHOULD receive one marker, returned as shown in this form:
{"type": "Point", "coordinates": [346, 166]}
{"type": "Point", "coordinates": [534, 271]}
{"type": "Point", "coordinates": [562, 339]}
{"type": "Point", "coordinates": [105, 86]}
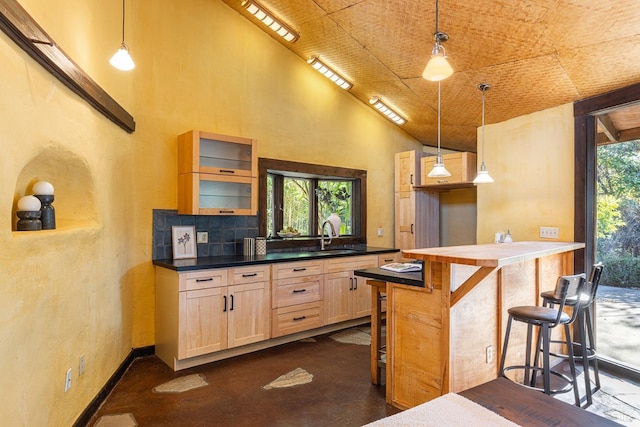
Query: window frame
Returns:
{"type": "Point", "coordinates": [311, 171]}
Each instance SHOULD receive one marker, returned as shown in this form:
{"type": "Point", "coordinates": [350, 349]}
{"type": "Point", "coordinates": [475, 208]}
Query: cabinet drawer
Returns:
{"type": "Point", "coordinates": [350, 263]}
{"type": "Point", "coordinates": [251, 274]}
{"type": "Point", "coordinates": [388, 258]}
{"type": "Point", "coordinates": [296, 269]}
{"type": "Point", "coordinates": [297, 290]}
{"type": "Point", "coordinates": [297, 318]}
{"type": "Point", "coordinates": [203, 279]}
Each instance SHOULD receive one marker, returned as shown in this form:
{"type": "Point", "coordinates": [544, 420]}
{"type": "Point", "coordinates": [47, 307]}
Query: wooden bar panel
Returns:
{"type": "Point", "coordinates": [437, 336]}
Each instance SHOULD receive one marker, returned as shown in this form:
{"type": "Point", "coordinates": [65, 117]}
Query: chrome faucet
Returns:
{"type": "Point", "coordinates": [331, 231]}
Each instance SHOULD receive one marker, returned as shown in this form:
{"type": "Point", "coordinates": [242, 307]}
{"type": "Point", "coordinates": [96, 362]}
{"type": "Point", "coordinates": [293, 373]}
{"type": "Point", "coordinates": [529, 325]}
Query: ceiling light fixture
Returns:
{"type": "Point", "coordinates": [122, 59]}
{"type": "Point", "coordinates": [439, 171]}
{"type": "Point", "coordinates": [323, 69]}
{"type": "Point", "coordinates": [483, 175]}
{"type": "Point", "coordinates": [438, 67]}
{"type": "Point", "coordinates": [387, 111]}
{"type": "Point", "coordinates": [269, 19]}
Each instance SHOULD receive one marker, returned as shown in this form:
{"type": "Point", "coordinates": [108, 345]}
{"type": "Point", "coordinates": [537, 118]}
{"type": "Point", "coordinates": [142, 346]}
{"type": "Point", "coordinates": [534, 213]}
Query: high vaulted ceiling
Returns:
{"type": "Point", "coordinates": [535, 54]}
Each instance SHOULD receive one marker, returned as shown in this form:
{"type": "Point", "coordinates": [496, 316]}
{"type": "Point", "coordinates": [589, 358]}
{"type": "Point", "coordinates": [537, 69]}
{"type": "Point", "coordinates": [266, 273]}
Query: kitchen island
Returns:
{"type": "Point", "coordinates": [447, 335]}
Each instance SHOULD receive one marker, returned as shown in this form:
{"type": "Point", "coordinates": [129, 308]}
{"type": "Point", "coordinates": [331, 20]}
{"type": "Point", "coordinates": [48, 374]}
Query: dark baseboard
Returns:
{"type": "Point", "coordinates": [93, 407]}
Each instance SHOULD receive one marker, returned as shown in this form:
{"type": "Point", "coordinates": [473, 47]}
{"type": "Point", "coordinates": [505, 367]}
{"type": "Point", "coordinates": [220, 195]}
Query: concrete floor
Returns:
{"type": "Point", "coordinates": [339, 393]}
{"type": "Point", "coordinates": [618, 324]}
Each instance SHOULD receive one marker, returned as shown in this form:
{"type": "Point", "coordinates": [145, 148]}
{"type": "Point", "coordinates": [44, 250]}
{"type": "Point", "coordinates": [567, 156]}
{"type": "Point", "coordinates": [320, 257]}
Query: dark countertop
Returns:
{"type": "Point", "coordinates": [226, 261]}
{"type": "Point", "coordinates": [413, 279]}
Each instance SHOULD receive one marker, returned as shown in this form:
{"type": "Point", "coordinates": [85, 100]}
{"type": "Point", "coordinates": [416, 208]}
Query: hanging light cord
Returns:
{"type": "Point", "coordinates": [439, 156]}
{"type": "Point", "coordinates": [123, 21]}
{"type": "Point", "coordinates": [483, 91]}
{"type": "Point", "coordinates": [436, 18]}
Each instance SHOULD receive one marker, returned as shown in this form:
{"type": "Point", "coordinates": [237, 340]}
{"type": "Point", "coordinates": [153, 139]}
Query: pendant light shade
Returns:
{"type": "Point", "coordinates": [483, 174]}
{"type": "Point", "coordinates": [122, 59]}
{"type": "Point", "coordinates": [439, 171]}
{"type": "Point", "coordinates": [438, 67]}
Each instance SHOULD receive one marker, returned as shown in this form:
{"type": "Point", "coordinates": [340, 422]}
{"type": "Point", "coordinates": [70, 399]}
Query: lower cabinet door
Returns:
{"type": "Point", "coordinates": [248, 313]}
{"type": "Point", "coordinates": [203, 322]}
{"type": "Point", "coordinates": [338, 296]}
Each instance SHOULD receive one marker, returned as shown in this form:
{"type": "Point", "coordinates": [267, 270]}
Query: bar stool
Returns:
{"type": "Point", "coordinates": [545, 319]}
{"type": "Point", "coordinates": [584, 348]}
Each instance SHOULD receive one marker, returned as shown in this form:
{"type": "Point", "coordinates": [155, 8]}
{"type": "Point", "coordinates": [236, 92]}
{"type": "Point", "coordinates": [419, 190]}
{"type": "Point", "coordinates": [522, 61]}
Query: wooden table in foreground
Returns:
{"type": "Point", "coordinates": [531, 408]}
{"type": "Point", "coordinates": [447, 336]}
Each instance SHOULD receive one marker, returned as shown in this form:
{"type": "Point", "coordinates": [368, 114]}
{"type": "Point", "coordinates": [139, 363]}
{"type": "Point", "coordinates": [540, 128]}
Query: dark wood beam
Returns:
{"type": "Point", "coordinates": [608, 127]}
{"type": "Point", "coordinates": [20, 27]}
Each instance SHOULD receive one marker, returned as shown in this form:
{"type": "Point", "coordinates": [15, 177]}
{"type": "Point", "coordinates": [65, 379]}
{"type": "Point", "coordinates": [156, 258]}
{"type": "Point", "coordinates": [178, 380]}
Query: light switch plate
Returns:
{"type": "Point", "coordinates": [202, 237]}
{"type": "Point", "coordinates": [549, 232]}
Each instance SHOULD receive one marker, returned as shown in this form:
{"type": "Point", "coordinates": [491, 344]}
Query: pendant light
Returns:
{"type": "Point", "coordinates": [483, 175]}
{"type": "Point", "coordinates": [438, 67]}
{"type": "Point", "coordinates": [122, 59]}
{"type": "Point", "coordinates": [439, 171]}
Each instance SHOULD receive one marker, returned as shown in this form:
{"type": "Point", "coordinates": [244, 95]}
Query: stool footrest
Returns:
{"type": "Point", "coordinates": [568, 386]}
{"type": "Point", "coordinates": [577, 351]}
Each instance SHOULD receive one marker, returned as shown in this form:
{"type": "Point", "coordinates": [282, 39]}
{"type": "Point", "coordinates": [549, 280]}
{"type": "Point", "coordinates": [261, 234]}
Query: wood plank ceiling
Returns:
{"type": "Point", "coordinates": [535, 54]}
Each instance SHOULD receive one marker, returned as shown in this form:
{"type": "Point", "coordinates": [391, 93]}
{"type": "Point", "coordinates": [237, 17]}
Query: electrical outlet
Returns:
{"type": "Point", "coordinates": [202, 237]}
{"type": "Point", "coordinates": [489, 351]}
{"type": "Point", "coordinates": [380, 232]}
{"type": "Point", "coordinates": [549, 232]}
{"type": "Point", "coordinates": [67, 381]}
{"type": "Point", "coordinates": [81, 365]}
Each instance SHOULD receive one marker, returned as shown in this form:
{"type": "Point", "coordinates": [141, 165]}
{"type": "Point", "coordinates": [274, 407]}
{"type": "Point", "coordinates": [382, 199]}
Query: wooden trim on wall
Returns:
{"type": "Point", "coordinates": [585, 167]}
{"type": "Point", "coordinates": [16, 23]}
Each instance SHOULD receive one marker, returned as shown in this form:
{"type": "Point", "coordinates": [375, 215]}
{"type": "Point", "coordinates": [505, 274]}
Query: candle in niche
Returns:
{"type": "Point", "coordinates": [29, 214]}
{"type": "Point", "coordinates": [43, 190]}
{"type": "Point", "coordinates": [29, 203]}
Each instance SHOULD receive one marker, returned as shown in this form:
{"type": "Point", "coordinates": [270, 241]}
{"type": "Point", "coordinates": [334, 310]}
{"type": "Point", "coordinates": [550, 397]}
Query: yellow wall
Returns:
{"type": "Point", "coordinates": [531, 160]}
{"type": "Point", "coordinates": [87, 287]}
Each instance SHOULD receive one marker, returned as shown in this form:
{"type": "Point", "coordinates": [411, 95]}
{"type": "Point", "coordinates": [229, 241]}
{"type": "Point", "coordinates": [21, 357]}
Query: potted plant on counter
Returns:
{"type": "Point", "coordinates": [332, 204]}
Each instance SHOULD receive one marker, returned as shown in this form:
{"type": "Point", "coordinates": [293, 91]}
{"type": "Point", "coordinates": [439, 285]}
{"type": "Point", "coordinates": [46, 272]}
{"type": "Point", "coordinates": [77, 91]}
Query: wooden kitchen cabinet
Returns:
{"type": "Point", "coordinates": [462, 167]}
{"type": "Point", "coordinates": [217, 174]}
{"type": "Point", "coordinates": [417, 213]}
{"type": "Point", "coordinates": [206, 311]}
{"type": "Point", "coordinates": [346, 296]}
{"type": "Point", "coordinates": [407, 170]}
{"type": "Point", "coordinates": [417, 217]}
{"type": "Point", "coordinates": [297, 297]}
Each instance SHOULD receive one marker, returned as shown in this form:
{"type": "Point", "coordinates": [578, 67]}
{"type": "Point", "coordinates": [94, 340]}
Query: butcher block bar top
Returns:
{"type": "Point", "coordinates": [492, 255]}
{"type": "Point", "coordinates": [447, 336]}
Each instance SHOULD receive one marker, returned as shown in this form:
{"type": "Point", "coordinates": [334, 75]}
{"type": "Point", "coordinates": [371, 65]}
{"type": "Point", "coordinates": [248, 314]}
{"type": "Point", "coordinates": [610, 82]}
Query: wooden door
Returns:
{"type": "Point", "coordinates": [337, 297]}
{"type": "Point", "coordinates": [248, 313]}
{"type": "Point", "coordinates": [405, 226]}
{"type": "Point", "coordinates": [361, 297]}
{"type": "Point", "coordinates": [203, 322]}
{"type": "Point", "coordinates": [407, 170]}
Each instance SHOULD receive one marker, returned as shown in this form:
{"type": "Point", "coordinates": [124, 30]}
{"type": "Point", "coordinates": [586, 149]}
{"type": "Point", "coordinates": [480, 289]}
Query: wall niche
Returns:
{"type": "Point", "coordinates": [74, 187]}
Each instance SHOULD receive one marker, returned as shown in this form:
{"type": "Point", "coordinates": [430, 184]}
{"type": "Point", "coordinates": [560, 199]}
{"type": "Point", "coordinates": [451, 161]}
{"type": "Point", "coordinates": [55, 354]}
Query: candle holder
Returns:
{"type": "Point", "coordinates": [48, 213]}
{"type": "Point", "coordinates": [29, 221]}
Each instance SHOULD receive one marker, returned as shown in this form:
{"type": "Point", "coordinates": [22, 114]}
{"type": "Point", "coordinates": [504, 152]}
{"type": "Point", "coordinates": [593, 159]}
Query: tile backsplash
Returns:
{"type": "Point", "coordinates": [225, 232]}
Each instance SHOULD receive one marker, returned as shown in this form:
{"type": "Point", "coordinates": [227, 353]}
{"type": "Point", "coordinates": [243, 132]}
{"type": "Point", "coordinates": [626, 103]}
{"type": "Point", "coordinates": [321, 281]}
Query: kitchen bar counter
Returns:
{"type": "Point", "coordinates": [380, 274]}
{"type": "Point", "coordinates": [447, 336]}
{"type": "Point", "coordinates": [226, 261]}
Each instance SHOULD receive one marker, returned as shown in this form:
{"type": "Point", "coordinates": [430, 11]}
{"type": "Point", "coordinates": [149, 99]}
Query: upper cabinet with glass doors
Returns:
{"type": "Point", "coordinates": [217, 174]}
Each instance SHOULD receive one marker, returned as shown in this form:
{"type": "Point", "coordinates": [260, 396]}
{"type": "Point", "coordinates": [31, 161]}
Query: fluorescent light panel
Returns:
{"type": "Point", "coordinates": [387, 111]}
{"type": "Point", "coordinates": [329, 73]}
{"type": "Point", "coordinates": [268, 19]}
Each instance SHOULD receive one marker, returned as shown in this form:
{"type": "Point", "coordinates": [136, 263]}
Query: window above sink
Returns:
{"type": "Point", "coordinates": [303, 195]}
